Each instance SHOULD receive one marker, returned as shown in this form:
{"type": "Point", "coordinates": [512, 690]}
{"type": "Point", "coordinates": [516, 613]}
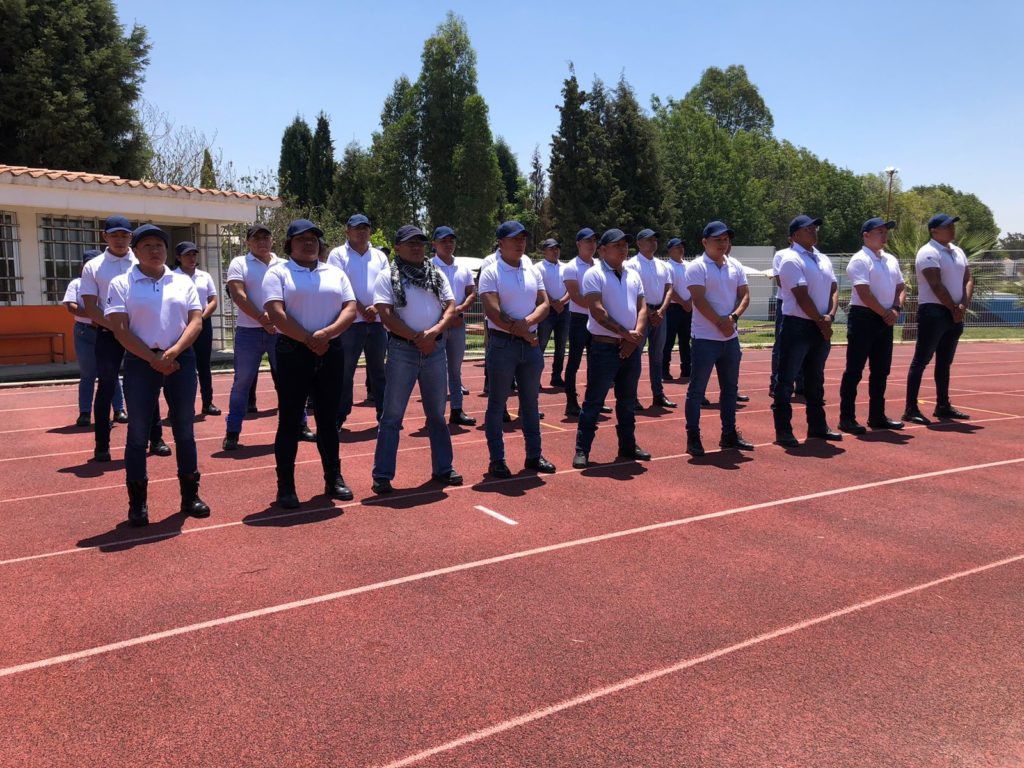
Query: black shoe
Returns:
{"type": "Point", "coordinates": [786, 440]}
{"type": "Point", "coordinates": [211, 410]}
{"type": "Point", "coordinates": [251, 408]}
{"type": "Point", "coordinates": [705, 403]}
{"type": "Point", "coordinates": [636, 453]}
{"type": "Point", "coordinates": [101, 454]}
{"type": "Point", "coordinates": [460, 418]}
{"type": "Point", "coordinates": [465, 391]}
{"type": "Point", "coordinates": [557, 381]}
{"type": "Point", "coordinates": [666, 376]}
{"type": "Point", "coordinates": [580, 460]}
{"type": "Point", "coordinates": [825, 434]}
{"type": "Point", "coordinates": [230, 442]}
{"type": "Point", "coordinates": [159, 448]}
{"type": "Point", "coordinates": [914, 416]}
{"type": "Point", "coordinates": [499, 469]}
{"type": "Point", "coordinates": [451, 477]}
{"type": "Point", "coordinates": [121, 417]}
{"type": "Point", "coordinates": [637, 407]}
{"type": "Point", "coordinates": [286, 498]}
{"type": "Point", "coordinates": [540, 414]}
{"type": "Point", "coordinates": [381, 485]}
{"type": "Point", "coordinates": [852, 426]}
{"type": "Point", "coordinates": [336, 489]}
{"type": "Point", "coordinates": [664, 402]}
{"type": "Point", "coordinates": [307, 435]}
{"type": "Point", "coordinates": [191, 504]}
{"type": "Point", "coordinates": [885, 423]}
{"type": "Point", "coordinates": [799, 391]}
{"type": "Point", "coordinates": [949, 412]}
{"type": "Point", "coordinates": [694, 446]}
{"type": "Point", "coordinates": [605, 409]}
{"type": "Point", "coordinates": [572, 408]}
{"type": "Point", "coordinates": [83, 420]}
{"type": "Point", "coordinates": [506, 417]}
{"type": "Point", "coordinates": [540, 464]}
{"type": "Point", "coordinates": [515, 387]}
{"type": "Point", "coordinates": [138, 511]}
{"type": "Point", "coordinates": [742, 398]}
{"type": "Point", "coordinates": [734, 441]}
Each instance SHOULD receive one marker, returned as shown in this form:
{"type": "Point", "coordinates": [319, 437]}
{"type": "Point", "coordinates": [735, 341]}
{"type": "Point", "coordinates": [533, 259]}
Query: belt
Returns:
{"type": "Point", "coordinates": [606, 339]}
{"type": "Point", "coordinates": [500, 334]}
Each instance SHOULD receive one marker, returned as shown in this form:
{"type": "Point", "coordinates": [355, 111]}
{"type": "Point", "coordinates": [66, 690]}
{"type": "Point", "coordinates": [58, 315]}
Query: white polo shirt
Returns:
{"type": "Point", "coordinates": [720, 287]}
{"type": "Point", "coordinates": [492, 258]}
{"type": "Point", "coordinates": [203, 281]}
{"type": "Point", "coordinates": [881, 272]}
{"type": "Point", "coordinates": [619, 295]}
{"type": "Point", "coordinates": [654, 274]}
{"type": "Point", "coordinates": [362, 270]}
{"type": "Point", "coordinates": [72, 296]}
{"type": "Point", "coordinates": [516, 288]}
{"type": "Point", "coordinates": [250, 271]}
{"type": "Point", "coordinates": [677, 270]}
{"type": "Point", "coordinates": [551, 275]}
{"type": "Point", "coordinates": [459, 278]}
{"type": "Point", "coordinates": [800, 267]}
{"type": "Point", "coordinates": [776, 263]}
{"type": "Point", "coordinates": [312, 297]}
{"type": "Point", "coordinates": [422, 310]}
{"type": "Point", "coordinates": [951, 261]}
{"type": "Point", "coordinates": [575, 270]}
{"type": "Point", "coordinates": [100, 270]}
{"type": "Point", "coordinates": [157, 309]}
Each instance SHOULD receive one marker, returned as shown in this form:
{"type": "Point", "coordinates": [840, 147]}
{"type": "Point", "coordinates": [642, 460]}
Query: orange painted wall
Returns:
{"type": "Point", "coordinates": [35, 320]}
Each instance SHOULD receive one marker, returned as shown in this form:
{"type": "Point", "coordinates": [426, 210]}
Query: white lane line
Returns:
{"type": "Point", "coordinates": [475, 564]}
{"type": "Point", "coordinates": [496, 515]}
{"type": "Point", "coordinates": [647, 677]}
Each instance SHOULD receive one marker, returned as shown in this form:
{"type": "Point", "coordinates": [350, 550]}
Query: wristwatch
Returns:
{"type": "Point", "coordinates": [734, 317]}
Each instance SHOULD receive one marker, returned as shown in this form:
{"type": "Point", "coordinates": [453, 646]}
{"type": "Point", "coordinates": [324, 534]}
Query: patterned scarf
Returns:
{"type": "Point", "coordinates": [426, 277]}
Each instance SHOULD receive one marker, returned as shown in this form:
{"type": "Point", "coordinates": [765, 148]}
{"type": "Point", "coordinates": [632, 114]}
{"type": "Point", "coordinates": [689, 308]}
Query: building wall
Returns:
{"type": "Point", "coordinates": [55, 319]}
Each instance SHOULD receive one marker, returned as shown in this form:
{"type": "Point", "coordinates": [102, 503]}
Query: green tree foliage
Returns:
{"type": "Point", "coordinates": [320, 176]}
{"type": "Point", "coordinates": [478, 182]}
{"type": "Point", "coordinates": [925, 201]}
{"type": "Point", "coordinates": [1013, 241]}
{"type": "Point", "coordinates": [394, 194]}
{"type": "Point", "coordinates": [207, 177]}
{"type": "Point", "coordinates": [732, 100]}
{"type": "Point", "coordinates": [352, 180]}
{"type": "Point", "coordinates": [69, 81]}
{"type": "Point", "coordinates": [510, 178]}
{"type": "Point", "coordinates": [293, 168]}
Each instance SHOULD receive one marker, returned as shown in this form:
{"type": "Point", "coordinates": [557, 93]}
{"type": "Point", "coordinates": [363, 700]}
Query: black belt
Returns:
{"type": "Point", "coordinates": [505, 335]}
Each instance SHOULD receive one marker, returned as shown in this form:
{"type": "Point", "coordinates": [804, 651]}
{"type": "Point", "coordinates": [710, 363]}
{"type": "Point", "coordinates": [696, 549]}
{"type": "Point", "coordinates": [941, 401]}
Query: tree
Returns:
{"type": "Point", "coordinates": [1013, 241]}
{"type": "Point", "coordinates": [732, 100]}
{"type": "Point", "coordinates": [178, 153]}
{"type": "Point", "coordinates": [942, 198]}
{"type": "Point", "coordinates": [478, 181]}
{"type": "Point", "coordinates": [69, 81]}
{"type": "Point", "coordinates": [293, 168]}
{"type": "Point", "coordinates": [538, 182]}
{"type": "Point", "coordinates": [207, 176]}
{"type": "Point", "coordinates": [320, 176]}
{"type": "Point", "coordinates": [510, 178]}
{"type": "Point", "coordinates": [394, 194]}
{"type": "Point", "coordinates": [351, 182]}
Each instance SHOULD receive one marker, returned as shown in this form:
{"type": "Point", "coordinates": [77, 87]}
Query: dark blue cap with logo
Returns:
{"type": "Point", "coordinates": [510, 229]}
{"type": "Point", "coordinates": [645, 233]}
{"type": "Point", "coordinates": [358, 220]}
{"type": "Point", "coordinates": [676, 241]}
{"type": "Point", "coordinates": [255, 229]}
{"type": "Point", "coordinates": [550, 243]}
{"type": "Point", "coordinates": [117, 224]}
{"type": "Point", "coordinates": [442, 232]}
{"type": "Point", "coordinates": [409, 232]}
{"type": "Point", "coordinates": [801, 221]}
{"type": "Point", "coordinates": [149, 230]}
{"type": "Point", "coordinates": [716, 228]}
{"type": "Point", "coordinates": [185, 246]}
{"type": "Point", "coordinates": [613, 236]}
{"type": "Point", "coordinates": [875, 223]}
{"type": "Point", "coordinates": [585, 234]}
{"type": "Point", "coordinates": [301, 227]}
{"type": "Point", "coordinates": [942, 220]}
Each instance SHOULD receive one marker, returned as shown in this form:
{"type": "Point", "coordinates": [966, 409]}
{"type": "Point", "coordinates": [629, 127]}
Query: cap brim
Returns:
{"type": "Point", "coordinates": [421, 238]}
{"type": "Point", "coordinates": [117, 229]}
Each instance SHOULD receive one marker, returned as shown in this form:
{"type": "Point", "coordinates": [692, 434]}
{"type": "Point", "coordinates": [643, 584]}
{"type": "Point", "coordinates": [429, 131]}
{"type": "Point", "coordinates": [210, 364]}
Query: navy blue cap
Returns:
{"type": "Point", "coordinates": [942, 220]}
{"type": "Point", "coordinates": [442, 232]}
{"type": "Point", "coordinates": [801, 221]}
{"type": "Point", "coordinates": [185, 246]}
{"type": "Point", "coordinates": [676, 241]}
{"type": "Point", "coordinates": [149, 230]}
{"type": "Point", "coordinates": [875, 223]}
{"type": "Point", "coordinates": [92, 253]}
{"type": "Point", "coordinates": [300, 227]}
{"type": "Point", "coordinates": [357, 220]}
{"type": "Point", "coordinates": [585, 233]}
{"type": "Point", "coordinates": [646, 233]}
{"type": "Point", "coordinates": [409, 232]}
{"type": "Point", "coordinates": [117, 224]}
{"type": "Point", "coordinates": [716, 228]}
{"type": "Point", "coordinates": [510, 229]}
{"type": "Point", "coordinates": [613, 236]}
{"type": "Point", "coordinates": [257, 228]}
{"type": "Point", "coordinates": [550, 243]}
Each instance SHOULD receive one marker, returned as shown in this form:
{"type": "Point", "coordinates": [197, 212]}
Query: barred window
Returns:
{"type": "Point", "coordinates": [10, 265]}
{"type": "Point", "coordinates": [64, 239]}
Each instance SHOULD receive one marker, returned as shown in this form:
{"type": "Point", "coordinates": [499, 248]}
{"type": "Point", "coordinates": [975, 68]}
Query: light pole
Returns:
{"type": "Point", "coordinates": [890, 172]}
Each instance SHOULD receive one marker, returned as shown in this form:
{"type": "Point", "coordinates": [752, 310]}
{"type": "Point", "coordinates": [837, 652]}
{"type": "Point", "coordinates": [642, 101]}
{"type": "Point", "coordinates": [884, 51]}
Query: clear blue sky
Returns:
{"type": "Point", "coordinates": [933, 88]}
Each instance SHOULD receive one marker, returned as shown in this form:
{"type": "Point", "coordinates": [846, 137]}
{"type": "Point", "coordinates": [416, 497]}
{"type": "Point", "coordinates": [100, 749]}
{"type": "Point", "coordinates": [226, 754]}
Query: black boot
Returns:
{"type": "Point", "coordinates": [334, 485]}
{"type": "Point", "coordinates": [286, 496]}
{"type": "Point", "coordinates": [191, 504]}
{"type": "Point", "coordinates": [138, 512]}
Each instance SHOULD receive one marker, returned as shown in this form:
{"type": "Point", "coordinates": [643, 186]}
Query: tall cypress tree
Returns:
{"type": "Point", "coordinates": [394, 195]}
{"type": "Point", "coordinates": [321, 163]}
{"type": "Point", "coordinates": [510, 177]}
{"type": "Point", "coordinates": [351, 183]}
{"type": "Point", "coordinates": [478, 181]}
{"type": "Point", "coordinates": [293, 168]}
{"type": "Point", "coordinates": [207, 177]}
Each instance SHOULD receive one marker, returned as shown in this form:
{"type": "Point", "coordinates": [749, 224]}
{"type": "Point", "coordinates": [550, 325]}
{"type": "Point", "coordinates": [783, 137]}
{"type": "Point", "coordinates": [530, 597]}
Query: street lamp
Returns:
{"type": "Point", "coordinates": [890, 172]}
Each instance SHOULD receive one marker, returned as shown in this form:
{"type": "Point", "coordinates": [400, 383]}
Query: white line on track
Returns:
{"type": "Point", "coordinates": [475, 564]}
{"type": "Point", "coordinates": [496, 515]}
{"type": "Point", "coordinates": [647, 677]}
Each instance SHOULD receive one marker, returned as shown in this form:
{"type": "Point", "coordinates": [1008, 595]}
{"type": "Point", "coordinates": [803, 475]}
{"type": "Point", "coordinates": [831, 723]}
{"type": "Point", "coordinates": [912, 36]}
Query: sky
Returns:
{"type": "Point", "coordinates": [932, 88]}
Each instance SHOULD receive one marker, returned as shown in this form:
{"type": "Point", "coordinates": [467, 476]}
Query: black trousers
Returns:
{"type": "Point", "coordinates": [868, 340]}
{"type": "Point", "coordinates": [801, 348]}
{"type": "Point", "coordinates": [678, 322]}
{"type": "Point", "coordinates": [938, 336]}
{"type": "Point", "coordinates": [109, 356]}
{"type": "Point", "coordinates": [204, 351]}
{"type": "Point", "coordinates": [579, 342]}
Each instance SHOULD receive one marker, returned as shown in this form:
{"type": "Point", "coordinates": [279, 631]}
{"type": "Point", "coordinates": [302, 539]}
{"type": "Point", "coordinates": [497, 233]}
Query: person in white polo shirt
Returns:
{"type": "Point", "coordinates": [188, 261]}
{"type": "Point", "coordinates": [875, 305]}
{"type": "Point", "coordinates": [810, 300]}
{"type": "Point", "coordinates": [720, 295]}
{"type": "Point", "coordinates": [557, 322]}
{"type": "Point", "coordinates": [579, 336]}
{"type": "Point", "coordinates": [464, 292]}
{"type": "Point", "coordinates": [156, 316]}
{"type": "Point", "coordinates": [514, 302]}
{"type": "Point", "coordinates": [362, 263]}
{"type": "Point", "coordinates": [657, 280]}
{"type": "Point", "coordinates": [680, 312]}
{"type": "Point", "coordinates": [945, 287]}
{"type": "Point", "coordinates": [617, 326]}
{"type": "Point", "coordinates": [311, 304]}
{"type": "Point", "coordinates": [417, 307]}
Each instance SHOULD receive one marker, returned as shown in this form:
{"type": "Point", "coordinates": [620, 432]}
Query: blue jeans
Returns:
{"type": "Point", "coordinates": [776, 349]}
{"type": "Point", "coordinates": [250, 346]}
{"type": "Point", "coordinates": [938, 336]}
{"type": "Point", "coordinates": [405, 368]}
{"type": "Point", "coordinates": [85, 351]}
{"type": "Point", "coordinates": [655, 355]}
{"type": "Point", "coordinates": [455, 352]}
{"type": "Point", "coordinates": [556, 323]}
{"type": "Point", "coordinates": [801, 348]}
{"type": "Point", "coordinates": [142, 387]}
{"type": "Point", "coordinates": [724, 357]}
{"type": "Point", "coordinates": [109, 355]}
{"type": "Point", "coordinates": [362, 338]}
{"type": "Point", "coordinates": [512, 359]}
{"type": "Point", "coordinates": [605, 369]}
{"type": "Point", "coordinates": [677, 329]}
{"type": "Point", "coordinates": [579, 342]}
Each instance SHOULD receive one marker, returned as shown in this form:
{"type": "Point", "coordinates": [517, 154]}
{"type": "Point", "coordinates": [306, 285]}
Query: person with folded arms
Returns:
{"type": "Point", "coordinates": [155, 316]}
{"type": "Point", "coordinates": [679, 314]}
{"type": "Point", "coordinates": [557, 322]}
{"type": "Point", "coordinates": [463, 286]}
{"type": "Point", "coordinates": [657, 280]}
{"type": "Point", "coordinates": [188, 260]}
